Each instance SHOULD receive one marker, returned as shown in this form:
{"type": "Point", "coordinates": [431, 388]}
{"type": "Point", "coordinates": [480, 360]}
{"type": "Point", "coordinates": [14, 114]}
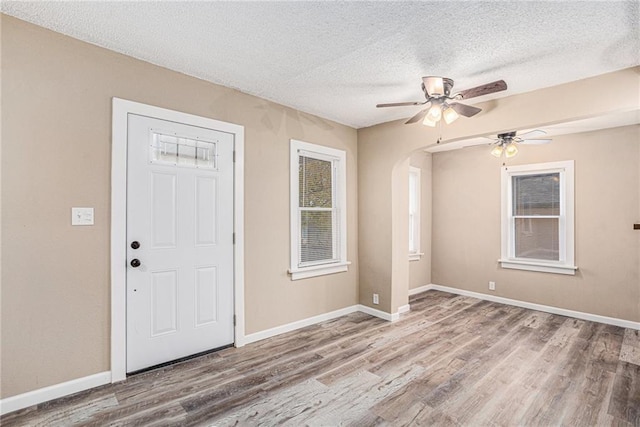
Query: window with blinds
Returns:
{"type": "Point", "coordinates": [317, 211]}
{"type": "Point", "coordinates": [318, 214]}
{"type": "Point", "coordinates": [538, 218]}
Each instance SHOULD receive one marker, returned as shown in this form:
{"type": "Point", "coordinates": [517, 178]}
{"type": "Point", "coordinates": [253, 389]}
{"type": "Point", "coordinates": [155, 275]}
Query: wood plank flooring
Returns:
{"type": "Point", "coordinates": [451, 360]}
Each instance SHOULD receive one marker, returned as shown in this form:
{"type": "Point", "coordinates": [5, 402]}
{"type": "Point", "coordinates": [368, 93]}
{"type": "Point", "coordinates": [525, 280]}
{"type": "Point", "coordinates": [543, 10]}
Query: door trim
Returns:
{"type": "Point", "coordinates": [121, 109]}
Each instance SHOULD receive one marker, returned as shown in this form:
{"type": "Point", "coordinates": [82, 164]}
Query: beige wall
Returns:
{"type": "Point", "coordinates": [374, 226]}
{"type": "Point", "coordinates": [466, 216]}
{"type": "Point", "coordinates": [420, 271]}
{"type": "Point", "coordinates": [56, 143]}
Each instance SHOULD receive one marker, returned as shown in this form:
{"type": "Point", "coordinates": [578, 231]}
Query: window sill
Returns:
{"type": "Point", "coordinates": [538, 266]}
{"type": "Point", "coordinates": [318, 270]}
{"type": "Point", "coordinates": [416, 256]}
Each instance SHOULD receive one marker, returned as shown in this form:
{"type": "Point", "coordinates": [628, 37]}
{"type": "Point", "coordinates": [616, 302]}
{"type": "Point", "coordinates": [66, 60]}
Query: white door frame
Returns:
{"type": "Point", "coordinates": [121, 109]}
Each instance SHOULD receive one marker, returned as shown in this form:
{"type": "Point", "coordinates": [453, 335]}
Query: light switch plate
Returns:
{"type": "Point", "coordinates": [81, 216]}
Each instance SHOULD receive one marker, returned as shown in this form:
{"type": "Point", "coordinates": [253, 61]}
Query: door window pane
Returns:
{"type": "Point", "coordinates": [185, 152]}
{"type": "Point", "coordinates": [164, 149]}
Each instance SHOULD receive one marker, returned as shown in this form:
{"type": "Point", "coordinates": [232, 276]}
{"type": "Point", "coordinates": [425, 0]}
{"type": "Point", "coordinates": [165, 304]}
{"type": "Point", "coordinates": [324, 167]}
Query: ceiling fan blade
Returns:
{"type": "Point", "coordinates": [477, 144]}
{"type": "Point", "coordinates": [417, 117]}
{"type": "Point", "coordinates": [493, 87]}
{"type": "Point", "coordinates": [535, 132]}
{"type": "Point", "coordinates": [465, 110]}
{"type": "Point", "coordinates": [400, 104]}
{"type": "Point", "coordinates": [534, 141]}
{"type": "Point", "coordinates": [433, 86]}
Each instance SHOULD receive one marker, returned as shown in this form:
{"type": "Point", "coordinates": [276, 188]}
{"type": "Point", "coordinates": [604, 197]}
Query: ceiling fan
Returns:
{"type": "Point", "coordinates": [437, 91]}
{"type": "Point", "coordinates": [506, 142]}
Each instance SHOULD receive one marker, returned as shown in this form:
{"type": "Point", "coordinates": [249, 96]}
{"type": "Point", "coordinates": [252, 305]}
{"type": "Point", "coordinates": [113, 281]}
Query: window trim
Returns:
{"type": "Point", "coordinates": [339, 157]}
{"type": "Point", "coordinates": [414, 255]}
{"type": "Point", "coordinates": [566, 225]}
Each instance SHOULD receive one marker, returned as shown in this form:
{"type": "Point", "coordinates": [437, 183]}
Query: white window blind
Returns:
{"type": "Point", "coordinates": [317, 211]}
{"type": "Point", "coordinates": [536, 215]}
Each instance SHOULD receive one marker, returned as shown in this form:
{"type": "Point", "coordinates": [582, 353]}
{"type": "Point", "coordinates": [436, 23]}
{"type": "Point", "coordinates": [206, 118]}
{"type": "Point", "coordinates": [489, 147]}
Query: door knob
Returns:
{"type": "Point", "coordinates": [135, 263]}
{"type": "Point", "coordinates": [135, 244]}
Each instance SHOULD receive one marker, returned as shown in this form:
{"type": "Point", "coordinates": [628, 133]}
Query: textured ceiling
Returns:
{"type": "Point", "coordinates": [339, 59]}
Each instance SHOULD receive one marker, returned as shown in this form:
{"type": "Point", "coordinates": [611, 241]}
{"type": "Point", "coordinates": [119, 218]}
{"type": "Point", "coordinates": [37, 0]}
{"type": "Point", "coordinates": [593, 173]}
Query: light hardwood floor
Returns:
{"type": "Point", "coordinates": [452, 360]}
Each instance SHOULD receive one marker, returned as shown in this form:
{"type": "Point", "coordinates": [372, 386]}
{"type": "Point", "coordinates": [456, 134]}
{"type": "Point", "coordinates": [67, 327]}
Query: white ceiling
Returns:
{"type": "Point", "coordinates": [339, 59]}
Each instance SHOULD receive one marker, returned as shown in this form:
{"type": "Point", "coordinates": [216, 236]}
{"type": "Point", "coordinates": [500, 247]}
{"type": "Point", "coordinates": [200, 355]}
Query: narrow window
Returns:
{"type": "Point", "coordinates": [318, 211]}
{"type": "Point", "coordinates": [414, 214]}
{"type": "Point", "coordinates": [537, 217]}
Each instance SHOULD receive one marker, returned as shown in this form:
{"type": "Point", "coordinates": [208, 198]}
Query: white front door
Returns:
{"type": "Point", "coordinates": [179, 241]}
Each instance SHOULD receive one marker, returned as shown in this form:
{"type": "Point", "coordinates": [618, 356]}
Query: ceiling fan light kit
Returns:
{"type": "Point", "coordinates": [428, 122]}
{"type": "Point", "coordinates": [511, 150]}
{"type": "Point", "coordinates": [497, 151]}
{"type": "Point", "coordinates": [450, 115]}
{"type": "Point", "coordinates": [435, 112]}
{"type": "Point", "coordinates": [506, 143]}
{"type": "Point", "coordinates": [508, 149]}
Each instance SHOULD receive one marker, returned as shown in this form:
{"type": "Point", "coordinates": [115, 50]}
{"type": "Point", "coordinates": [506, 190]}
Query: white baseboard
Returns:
{"type": "Point", "coordinates": [378, 313]}
{"type": "Point", "coordinates": [533, 306]}
{"type": "Point", "coordinates": [420, 289]}
{"type": "Point", "coordinates": [268, 333]}
{"type": "Point", "coordinates": [45, 394]}
{"type": "Point", "coordinates": [404, 309]}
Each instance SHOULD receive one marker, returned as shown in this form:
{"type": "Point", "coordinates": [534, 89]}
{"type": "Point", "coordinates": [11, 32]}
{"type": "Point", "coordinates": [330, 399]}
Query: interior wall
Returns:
{"type": "Point", "coordinates": [466, 216]}
{"type": "Point", "coordinates": [56, 143]}
{"type": "Point", "coordinates": [420, 270]}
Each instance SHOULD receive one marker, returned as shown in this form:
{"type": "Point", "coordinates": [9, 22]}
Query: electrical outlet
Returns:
{"type": "Point", "coordinates": [376, 299]}
{"type": "Point", "coordinates": [492, 286]}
